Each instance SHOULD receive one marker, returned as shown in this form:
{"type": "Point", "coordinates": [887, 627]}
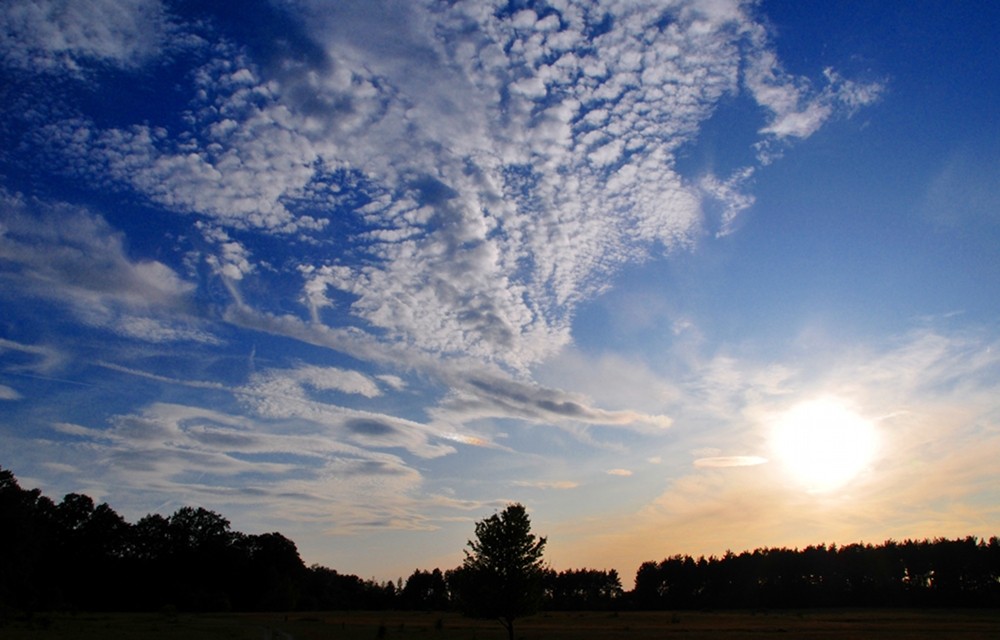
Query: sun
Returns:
{"type": "Point", "coordinates": [823, 444]}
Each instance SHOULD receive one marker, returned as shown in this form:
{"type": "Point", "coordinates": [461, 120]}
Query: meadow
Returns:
{"type": "Point", "coordinates": [964, 624]}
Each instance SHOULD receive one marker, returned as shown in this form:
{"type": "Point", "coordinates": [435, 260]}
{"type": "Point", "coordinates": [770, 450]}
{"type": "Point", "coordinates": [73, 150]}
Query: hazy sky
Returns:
{"type": "Point", "coordinates": [681, 277]}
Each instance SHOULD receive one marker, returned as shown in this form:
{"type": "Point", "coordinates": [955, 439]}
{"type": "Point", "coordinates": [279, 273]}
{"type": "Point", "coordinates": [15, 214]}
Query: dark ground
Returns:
{"type": "Point", "coordinates": [965, 624]}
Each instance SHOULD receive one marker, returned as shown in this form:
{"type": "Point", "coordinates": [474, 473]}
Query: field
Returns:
{"type": "Point", "coordinates": [807, 625]}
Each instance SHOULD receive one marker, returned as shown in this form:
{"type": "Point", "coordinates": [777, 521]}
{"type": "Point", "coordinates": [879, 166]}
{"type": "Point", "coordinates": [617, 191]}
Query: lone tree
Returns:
{"type": "Point", "coordinates": [502, 576]}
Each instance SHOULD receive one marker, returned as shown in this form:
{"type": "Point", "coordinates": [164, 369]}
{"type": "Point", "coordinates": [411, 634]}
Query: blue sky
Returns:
{"type": "Point", "coordinates": [681, 277]}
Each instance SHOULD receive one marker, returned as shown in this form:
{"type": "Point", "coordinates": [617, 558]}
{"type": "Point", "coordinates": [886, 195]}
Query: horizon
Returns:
{"type": "Point", "coordinates": [648, 564]}
{"type": "Point", "coordinates": [680, 277]}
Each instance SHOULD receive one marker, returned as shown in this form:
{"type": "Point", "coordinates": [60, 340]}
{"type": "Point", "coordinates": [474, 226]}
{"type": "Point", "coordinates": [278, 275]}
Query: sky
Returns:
{"type": "Point", "coordinates": [680, 276]}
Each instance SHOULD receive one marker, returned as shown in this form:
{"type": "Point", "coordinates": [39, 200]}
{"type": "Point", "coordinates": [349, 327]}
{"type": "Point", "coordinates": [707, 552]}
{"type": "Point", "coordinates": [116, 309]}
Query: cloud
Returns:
{"type": "Point", "coordinates": [70, 256]}
{"type": "Point", "coordinates": [559, 485]}
{"type": "Point", "coordinates": [797, 110]}
{"type": "Point", "coordinates": [298, 397]}
{"type": "Point", "coordinates": [294, 382]}
{"type": "Point", "coordinates": [553, 179]}
{"type": "Point", "coordinates": [474, 392]}
{"type": "Point", "coordinates": [392, 381]}
{"type": "Point", "coordinates": [45, 359]}
{"type": "Point", "coordinates": [614, 380]}
{"type": "Point", "coordinates": [730, 194]}
{"type": "Point", "coordinates": [625, 473]}
{"type": "Point", "coordinates": [474, 396]}
{"type": "Point", "coordinates": [494, 170]}
{"type": "Point", "coordinates": [244, 157]}
{"type": "Point", "coordinates": [71, 36]}
{"type": "Point", "coordinates": [295, 395]}
{"type": "Point", "coordinates": [432, 192]}
{"type": "Point", "coordinates": [232, 260]}
{"type": "Point", "coordinates": [7, 393]}
{"type": "Point", "coordinates": [721, 462]}
{"type": "Point", "coordinates": [181, 452]}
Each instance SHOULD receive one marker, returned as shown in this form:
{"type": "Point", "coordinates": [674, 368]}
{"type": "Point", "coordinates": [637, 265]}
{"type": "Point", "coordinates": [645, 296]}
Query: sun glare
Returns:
{"type": "Point", "coordinates": [823, 444]}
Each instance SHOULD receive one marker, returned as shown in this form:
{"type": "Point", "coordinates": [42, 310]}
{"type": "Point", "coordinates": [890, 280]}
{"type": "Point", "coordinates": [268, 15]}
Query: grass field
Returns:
{"type": "Point", "coordinates": [806, 625]}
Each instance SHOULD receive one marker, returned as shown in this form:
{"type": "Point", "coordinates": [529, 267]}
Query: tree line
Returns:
{"type": "Point", "coordinates": [78, 555]}
{"type": "Point", "coordinates": [911, 573]}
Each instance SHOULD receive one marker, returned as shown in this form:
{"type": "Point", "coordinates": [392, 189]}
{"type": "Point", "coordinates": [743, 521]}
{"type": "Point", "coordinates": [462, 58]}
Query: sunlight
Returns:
{"type": "Point", "coordinates": [823, 444]}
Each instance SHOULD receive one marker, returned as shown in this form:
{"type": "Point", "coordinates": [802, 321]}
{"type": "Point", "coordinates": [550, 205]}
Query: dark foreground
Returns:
{"type": "Point", "coordinates": [821, 624]}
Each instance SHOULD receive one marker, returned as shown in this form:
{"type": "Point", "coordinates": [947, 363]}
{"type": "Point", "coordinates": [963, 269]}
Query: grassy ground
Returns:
{"type": "Point", "coordinates": [805, 625]}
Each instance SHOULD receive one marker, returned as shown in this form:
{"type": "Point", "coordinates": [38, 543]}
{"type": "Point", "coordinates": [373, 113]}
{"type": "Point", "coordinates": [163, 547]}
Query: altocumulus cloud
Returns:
{"type": "Point", "coordinates": [66, 36]}
{"type": "Point", "coordinates": [499, 166]}
{"type": "Point", "coordinates": [429, 189]}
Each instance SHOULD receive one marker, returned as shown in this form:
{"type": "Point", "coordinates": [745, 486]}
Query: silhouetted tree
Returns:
{"type": "Point", "coordinates": [27, 536]}
{"type": "Point", "coordinates": [582, 589]}
{"type": "Point", "coordinates": [502, 576]}
{"type": "Point", "coordinates": [326, 589]}
{"type": "Point", "coordinates": [425, 590]}
{"type": "Point", "coordinates": [90, 551]}
{"type": "Point", "coordinates": [73, 555]}
{"type": "Point", "coordinates": [963, 572]}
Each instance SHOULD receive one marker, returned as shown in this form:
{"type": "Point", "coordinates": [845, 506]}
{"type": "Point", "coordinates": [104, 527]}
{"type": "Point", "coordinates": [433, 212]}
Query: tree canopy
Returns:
{"type": "Point", "coordinates": [503, 573]}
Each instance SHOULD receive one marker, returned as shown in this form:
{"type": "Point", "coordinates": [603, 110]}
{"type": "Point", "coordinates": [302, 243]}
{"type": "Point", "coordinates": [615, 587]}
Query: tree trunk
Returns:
{"type": "Point", "coordinates": [508, 624]}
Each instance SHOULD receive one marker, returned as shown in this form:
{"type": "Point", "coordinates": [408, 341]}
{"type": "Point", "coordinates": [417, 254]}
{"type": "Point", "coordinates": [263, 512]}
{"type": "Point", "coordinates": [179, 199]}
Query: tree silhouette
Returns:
{"type": "Point", "coordinates": [89, 550]}
{"type": "Point", "coordinates": [502, 576]}
{"type": "Point", "coordinates": [274, 572]}
{"type": "Point", "coordinates": [75, 555]}
{"type": "Point", "coordinates": [582, 589]}
{"type": "Point", "coordinates": [425, 590]}
{"type": "Point", "coordinates": [941, 572]}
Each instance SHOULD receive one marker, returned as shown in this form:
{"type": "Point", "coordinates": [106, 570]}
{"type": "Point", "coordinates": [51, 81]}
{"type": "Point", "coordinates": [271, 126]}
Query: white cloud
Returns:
{"type": "Point", "coordinates": [394, 382]}
{"type": "Point", "coordinates": [625, 473]}
{"type": "Point", "coordinates": [285, 395]}
{"type": "Point", "coordinates": [45, 358]}
{"type": "Point", "coordinates": [7, 393]}
{"type": "Point", "coordinates": [246, 154]}
{"type": "Point", "coordinates": [474, 392]}
{"type": "Point", "coordinates": [171, 453]}
{"type": "Point", "coordinates": [49, 34]}
{"type": "Point", "coordinates": [721, 462]}
{"type": "Point", "coordinates": [560, 485]}
{"type": "Point", "coordinates": [797, 109]}
{"type": "Point", "coordinates": [550, 190]}
{"type": "Point", "coordinates": [731, 194]}
{"type": "Point", "coordinates": [68, 255]}
{"type": "Point", "coordinates": [293, 382]}
{"type": "Point", "coordinates": [232, 260]}
{"type": "Point", "coordinates": [501, 168]}
{"type": "Point", "coordinates": [151, 329]}
{"type": "Point", "coordinates": [475, 395]}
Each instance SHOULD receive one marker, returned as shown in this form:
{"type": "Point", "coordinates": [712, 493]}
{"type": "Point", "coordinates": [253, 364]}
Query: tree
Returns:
{"type": "Point", "coordinates": [203, 558]}
{"type": "Point", "coordinates": [425, 590]}
{"type": "Point", "coordinates": [276, 572]}
{"type": "Point", "coordinates": [582, 589]}
{"type": "Point", "coordinates": [502, 576]}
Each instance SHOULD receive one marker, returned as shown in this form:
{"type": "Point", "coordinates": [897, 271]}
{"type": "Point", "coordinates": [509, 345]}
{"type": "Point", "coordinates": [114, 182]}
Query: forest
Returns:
{"type": "Point", "coordinates": [75, 555]}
